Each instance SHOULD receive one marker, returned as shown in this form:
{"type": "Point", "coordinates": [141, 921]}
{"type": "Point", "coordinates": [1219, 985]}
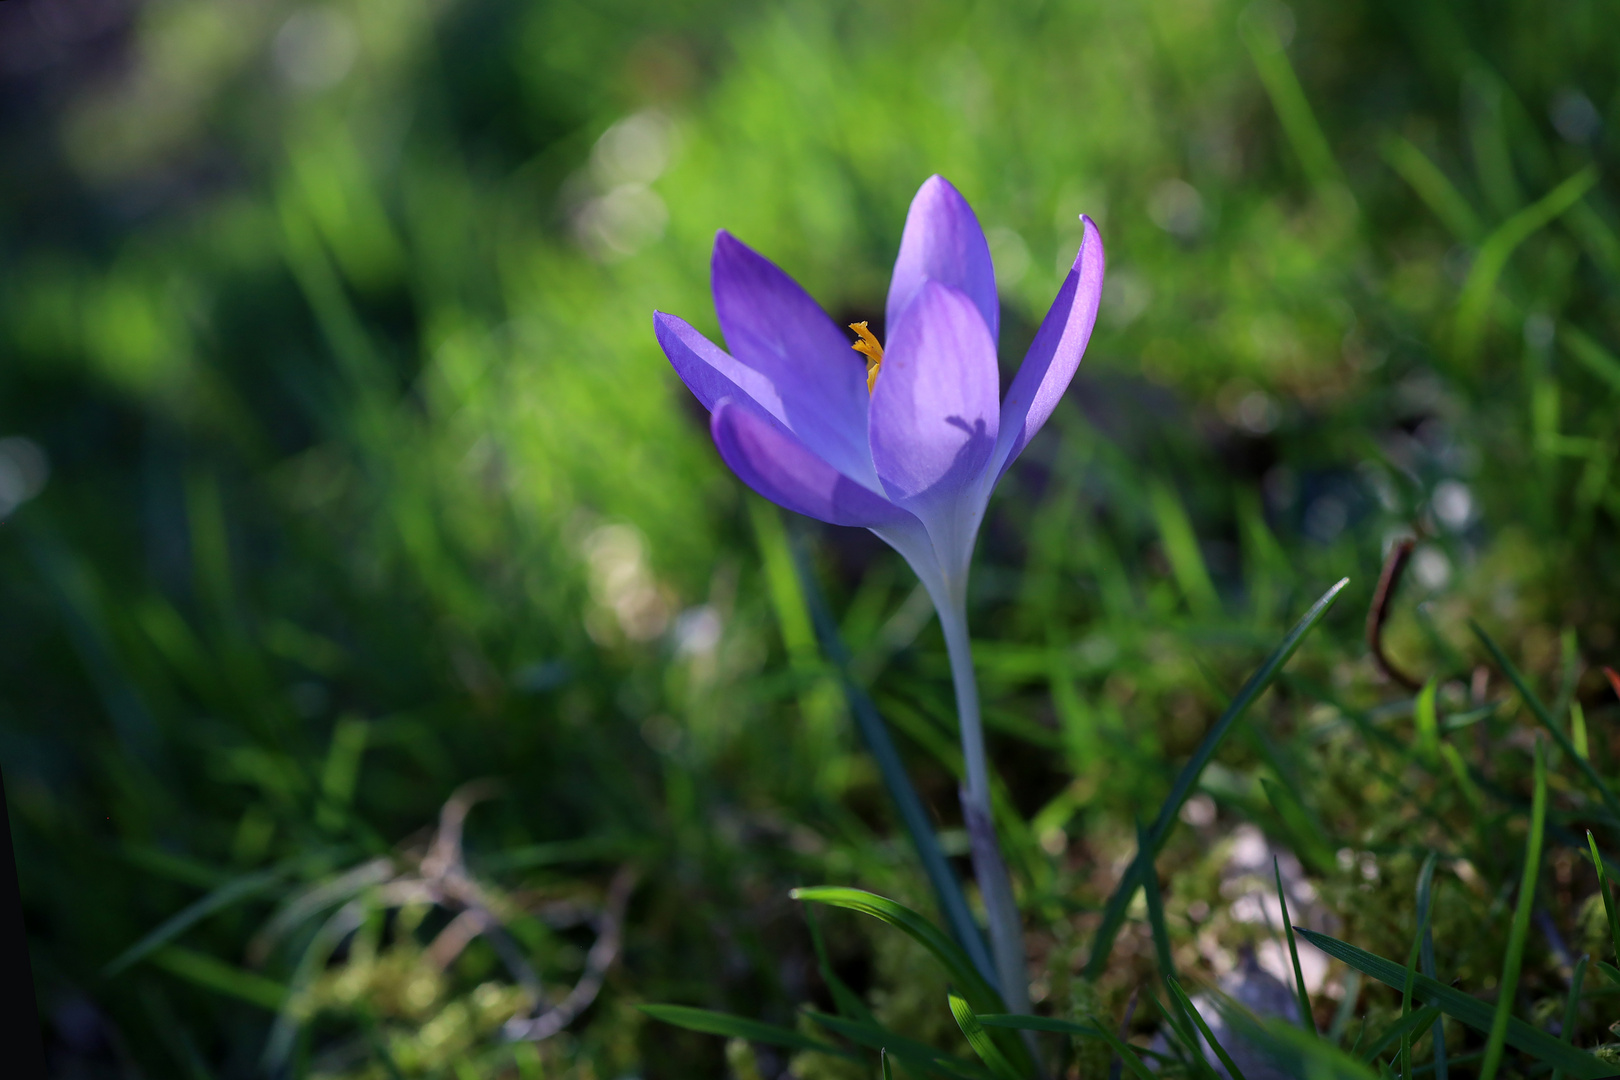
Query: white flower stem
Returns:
{"type": "Point", "coordinates": [989, 868]}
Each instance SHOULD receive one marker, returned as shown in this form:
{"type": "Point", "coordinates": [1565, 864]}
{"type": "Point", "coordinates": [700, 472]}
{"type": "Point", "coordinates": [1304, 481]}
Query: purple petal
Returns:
{"type": "Point", "coordinates": [943, 242]}
{"type": "Point", "coordinates": [784, 470]}
{"type": "Point", "coordinates": [1055, 354]}
{"type": "Point", "coordinates": [773, 326]}
{"type": "Point", "coordinates": [708, 371]}
{"type": "Point", "coordinates": [934, 409]}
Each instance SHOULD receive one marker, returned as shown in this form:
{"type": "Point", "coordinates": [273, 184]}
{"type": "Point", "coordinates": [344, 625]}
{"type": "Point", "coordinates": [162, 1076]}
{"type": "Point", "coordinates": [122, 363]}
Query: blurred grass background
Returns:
{"type": "Point", "coordinates": [340, 469]}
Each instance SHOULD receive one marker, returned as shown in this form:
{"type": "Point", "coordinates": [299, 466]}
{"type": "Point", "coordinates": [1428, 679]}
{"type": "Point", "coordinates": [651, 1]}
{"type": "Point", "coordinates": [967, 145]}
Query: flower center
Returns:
{"type": "Point", "coordinates": [868, 347]}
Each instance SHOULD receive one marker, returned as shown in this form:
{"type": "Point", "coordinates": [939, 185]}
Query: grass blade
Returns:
{"type": "Point", "coordinates": [1307, 1019]}
{"type": "Point", "coordinates": [1520, 927]}
{"type": "Point", "coordinates": [1425, 902]}
{"type": "Point", "coordinates": [1607, 894]}
{"type": "Point", "coordinates": [1425, 880]}
{"type": "Point", "coordinates": [1433, 187]}
{"type": "Point", "coordinates": [1571, 1008]}
{"type": "Point", "coordinates": [979, 1039]}
{"type": "Point", "coordinates": [1469, 1010]}
{"type": "Point", "coordinates": [883, 1060]}
{"type": "Point", "coordinates": [710, 1022]}
{"type": "Point", "coordinates": [1474, 303]}
{"type": "Point", "coordinates": [1541, 714]}
{"type": "Point", "coordinates": [223, 897]}
{"type": "Point", "coordinates": [1114, 912]}
{"type": "Point", "coordinates": [212, 973]}
{"type": "Point", "coordinates": [909, 1052]}
{"type": "Point", "coordinates": [1191, 1012]}
{"type": "Point", "coordinates": [1297, 1053]}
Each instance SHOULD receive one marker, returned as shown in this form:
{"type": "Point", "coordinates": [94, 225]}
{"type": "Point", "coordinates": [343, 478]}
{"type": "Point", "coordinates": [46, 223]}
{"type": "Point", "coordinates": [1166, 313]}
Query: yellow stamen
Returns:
{"type": "Point", "coordinates": [868, 347]}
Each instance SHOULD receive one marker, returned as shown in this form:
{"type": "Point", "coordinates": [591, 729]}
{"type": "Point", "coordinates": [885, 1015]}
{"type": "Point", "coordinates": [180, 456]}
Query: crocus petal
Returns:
{"type": "Point", "coordinates": [934, 408]}
{"type": "Point", "coordinates": [943, 242]}
{"type": "Point", "coordinates": [1055, 354]}
{"type": "Point", "coordinates": [783, 470]}
{"type": "Point", "coordinates": [773, 326]}
{"type": "Point", "coordinates": [711, 373]}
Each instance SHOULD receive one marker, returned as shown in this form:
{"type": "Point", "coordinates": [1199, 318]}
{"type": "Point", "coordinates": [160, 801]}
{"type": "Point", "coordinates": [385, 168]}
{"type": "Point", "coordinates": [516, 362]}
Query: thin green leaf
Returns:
{"type": "Point", "coordinates": [1469, 1010]}
{"type": "Point", "coordinates": [1399, 1031]}
{"type": "Point", "coordinates": [1114, 912]}
{"type": "Point", "coordinates": [710, 1022]}
{"type": "Point", "coordinates": [1300, 1054]}
{"type": "Point", "coordinates": [848, 1002]}
{"type": "Point", "coordinates": [1607, 894]}
{"type": "Point", "coordinates": [1474, 303]}
{"type": "Point", "coordinates": [221, 898]}
{"type": "Point", "coordinates": [1191, 1012]}
{"type": "Point", "coordinates": [1433, 187]}
{"type": "Point", "coordinates": [1425, 903]}
{"type": "Point", "coordinates": [1572, 1007]}
{"type": "Point", "coordinates": [1541, 714]}
{"type": "Point", "coordinates": [979, 1039]}
{"type": "Point", "coordinates": [1307, 1020]}
{"type": "Point", "coordinates": [214, 974]}
{"type": "Point", "coordinates": [1596, 359]}
{"type": "Point", "coordinates": [910, 1052]}
{"type": "Point", "coordinates": [883, 1060]}
{"type": "Point", "coordinates": [1519, 929]}
{"type": "Point", "coordinates": [958, 966]}
{"type": "Point", "coordinates": [1288, 98]}
{"type": "Point", "coordinates": [1096, 1030]}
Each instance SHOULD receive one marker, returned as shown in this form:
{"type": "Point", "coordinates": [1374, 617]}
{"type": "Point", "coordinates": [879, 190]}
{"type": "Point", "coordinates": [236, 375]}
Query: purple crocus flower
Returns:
{"type": "Point", "coordinates": [914, 453]}
{"type": "Point", "coordinates": [909, 443]}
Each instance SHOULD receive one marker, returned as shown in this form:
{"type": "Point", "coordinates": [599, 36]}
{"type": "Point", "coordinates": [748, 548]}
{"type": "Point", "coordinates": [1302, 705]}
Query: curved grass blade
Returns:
{"type": "Point", "coordinates": [710, 1022]}
{"type": "Point", "coordinates": [958, 965]}
{"type": "Point", "coordinates": [1519, 929]}
{"type": "Point", "coordinates": [1114, 912]}
{"type": "Point", "coordinates": [241, 888]}
{"type": "Point", "coordinates": [914, 1055]}
{"type": "Point", "coordinates": [1123, 1050]}
{"type": "Point", "coordinates": [1190, 1010]}
{"type": "Point", "coordinates": [979, 1039]}
{"type": "Point", "coordinates": [907, 803]}
{"type": "Point", "coordinates": [1469, 1010]}
{"type": "Point", "coordinates": [1572, 1008]}
{"type": "Point", "coordinates": [978, 991]}
{"type": "Point", "coordinates": [1307, 1019]}
{"type": "Point", "coordinates": [1474, 304]}
{"type": "Point", "coordinates": [1546, 719]}
{"type": "Point", "coordinates": [1400, 1030]}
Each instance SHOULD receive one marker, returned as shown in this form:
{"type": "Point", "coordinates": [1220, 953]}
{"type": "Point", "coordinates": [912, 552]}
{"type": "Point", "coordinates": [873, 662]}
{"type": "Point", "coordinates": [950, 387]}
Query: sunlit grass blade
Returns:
{"type": "Point", "coordinates": [1190, 1011]}
{"type": "Point", "coordinates": [710, 1022]}
{"type": "Point", "coordinates": [979, 1039]}
{"type": "Point", "coordinates": [947, 889]}
{"type": "Point", "coordinates": [1464, 1007]}
{"type": "Point", "coordinates": [1519, 929]}
{"type": "Point", "coordinates": [1572, 1008]}
{"type": "Point", "coordinates": [914, 1055]}
{"type": "Point", "coordinates": [1114, 912]}
{"type": "Point", "coordinates": [1307, 1019]}
{"type": "Point", "coordinates": [1426, 722]}
{"type": "Point", "coordinates": [1123, 1050]}
{"type": "Point", "coordinates": [978, 991]}
{"type": "Point", "coordinates": [1552, 727]}
{"type": "Point", "coordinates": [1607, 893]}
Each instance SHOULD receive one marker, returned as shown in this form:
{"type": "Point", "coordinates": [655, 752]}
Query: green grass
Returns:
{"type": "Point", "coordinates": [363, 479]}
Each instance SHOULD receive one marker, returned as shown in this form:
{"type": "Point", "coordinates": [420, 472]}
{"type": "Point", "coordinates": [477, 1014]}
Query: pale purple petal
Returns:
{"type": "Point", "coordinates": [1055, 354]}
{"type": "Point", "coordinates": [943, 243]}
{"type": "Point", "coordinates": [773, 326]}
{"type": "Point", "coordinates": [934, 409]}
{"type": "Point", "coordinates": [783, 470]}
{"type": "Point", "coordinates": [709, 372]}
